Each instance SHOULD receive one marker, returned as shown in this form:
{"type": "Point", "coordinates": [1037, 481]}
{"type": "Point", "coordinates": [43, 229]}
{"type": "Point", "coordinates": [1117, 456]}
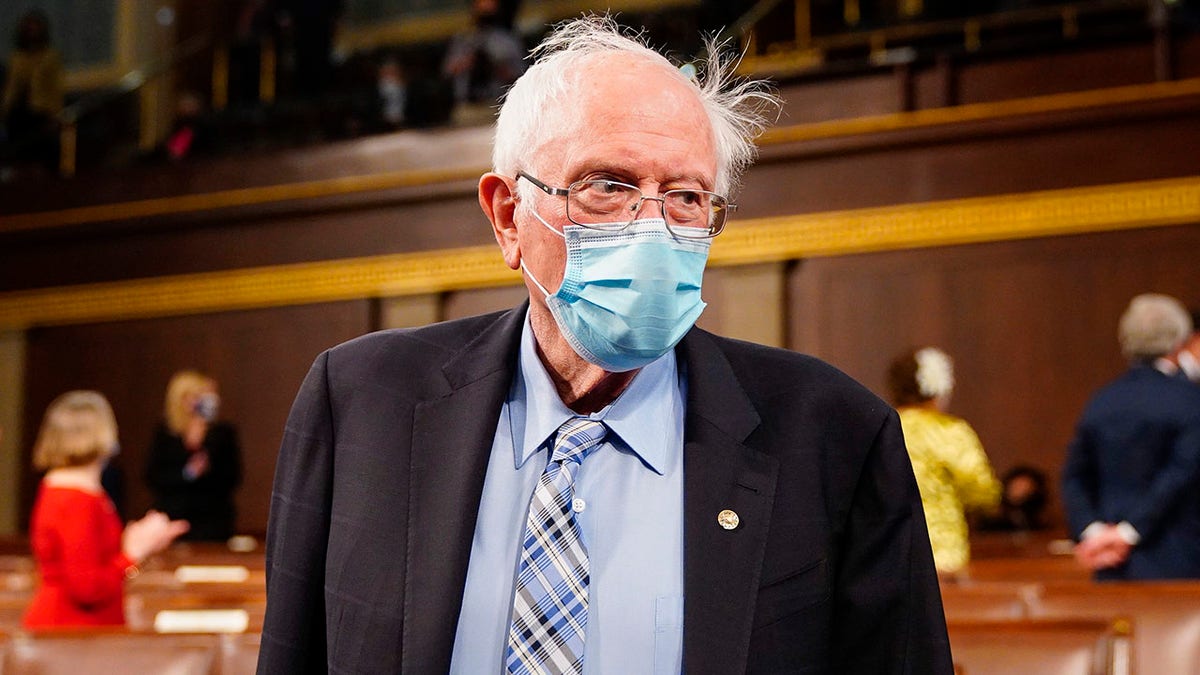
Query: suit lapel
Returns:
{"type": "Point", "coordinates": [721, 566]}
{"type": "Point", "coordinates": [452, 439]}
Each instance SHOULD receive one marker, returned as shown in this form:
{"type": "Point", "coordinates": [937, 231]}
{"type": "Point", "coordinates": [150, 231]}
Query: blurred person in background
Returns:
{"type": "Point", "coordinates": [391, 92]}
{"type": "Point", "coordinates": [312, 25]}
{"type": "Point", "coordinates": [194, 463]}
{"type": "Point", "coordinates": [1022, 502]}
{"type": "Point", "coordinates": [483, 61]}
{"type": "Point", "coordinates": [33, 94]}
{"type": "Point", "coordinates": [83, 555]}
{"type": "Point", "coordinates": [1133, 468]}
{"type": "Point", "coordinates": [191, 133]}
{"type": "Point", "coordinates": [952, 470]}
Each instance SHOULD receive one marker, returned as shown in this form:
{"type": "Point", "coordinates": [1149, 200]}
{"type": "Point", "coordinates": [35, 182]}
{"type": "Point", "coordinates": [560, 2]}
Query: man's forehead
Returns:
{"type": "Point", "coordinates": [611, 107]}
{"type": "Point", "coordinates": [615, 65]}
{"type": "Point", "coordinates": [629, 84]}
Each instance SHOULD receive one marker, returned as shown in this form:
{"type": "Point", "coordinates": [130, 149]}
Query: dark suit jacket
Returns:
{"type": "Point", "coordinates": [382, 467]}
{"type": "Point", "coordinates": [1136, 457]}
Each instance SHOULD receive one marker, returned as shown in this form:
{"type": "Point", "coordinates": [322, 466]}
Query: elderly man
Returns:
{"type": "Point", "coordinates": [588, 483]}
{"type": "Point", "coordinates": [1129, 482]}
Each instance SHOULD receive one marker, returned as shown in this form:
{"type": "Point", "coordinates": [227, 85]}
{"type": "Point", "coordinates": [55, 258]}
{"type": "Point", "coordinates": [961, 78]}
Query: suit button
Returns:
{"type": "Point", "coordinates": [728, 519]}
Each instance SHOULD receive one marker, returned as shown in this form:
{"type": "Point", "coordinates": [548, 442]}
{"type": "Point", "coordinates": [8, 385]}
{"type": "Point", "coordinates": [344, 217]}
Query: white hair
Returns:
{"type": "Point", "coordinates": [1153, 325]}
{"type": "Point", "coordinates": [737, 109]}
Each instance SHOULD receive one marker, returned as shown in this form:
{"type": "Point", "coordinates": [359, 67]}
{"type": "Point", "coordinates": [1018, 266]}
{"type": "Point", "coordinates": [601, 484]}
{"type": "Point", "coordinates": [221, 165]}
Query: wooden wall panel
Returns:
{"type": "Point", "coordinates": [213, 241]}
{"type": "Point", "coordinates": [1001, 159]}
{"type": "Point", "coordinates": [12, 393]}
{"type": "Point", "coordinates": [258, 357]}
{"type": "Point", "coordinates": [1031, 324]}
{"type": "Point", "coordinates": [1112, 66]}
{"type": "Point", "coordinates": [839, 98]}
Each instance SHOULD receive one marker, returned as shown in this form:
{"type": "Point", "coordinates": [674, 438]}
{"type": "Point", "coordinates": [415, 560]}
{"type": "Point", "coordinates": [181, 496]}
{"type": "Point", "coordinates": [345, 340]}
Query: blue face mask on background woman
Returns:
{"type": "Point", "coordinates": [206, 407]}
{"type": "Point", "coordinates": [629, 296]}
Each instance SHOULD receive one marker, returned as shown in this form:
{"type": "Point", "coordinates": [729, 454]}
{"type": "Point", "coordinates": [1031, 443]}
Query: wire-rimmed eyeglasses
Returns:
{"type": "Point", "coordinates": [611, 205]}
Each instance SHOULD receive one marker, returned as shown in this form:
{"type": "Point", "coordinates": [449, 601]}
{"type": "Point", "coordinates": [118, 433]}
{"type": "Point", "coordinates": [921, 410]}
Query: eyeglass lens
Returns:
{"type": "Point", "coordinates": [601, 202]}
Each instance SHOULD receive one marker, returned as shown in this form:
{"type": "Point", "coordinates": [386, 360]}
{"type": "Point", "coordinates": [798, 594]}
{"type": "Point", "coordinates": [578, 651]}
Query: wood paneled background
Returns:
{"type": "Point", "coordinates": [258, 357]}
{"type": "Point", "coordinates": [1031, 323]}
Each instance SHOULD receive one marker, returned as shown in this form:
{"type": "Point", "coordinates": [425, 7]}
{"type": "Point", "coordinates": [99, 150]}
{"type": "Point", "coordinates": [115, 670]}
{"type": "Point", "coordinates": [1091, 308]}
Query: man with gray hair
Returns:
{"type": "Point", "coordinates": [588, 483]}
{"type": "Point", "coordinates": [1129, 482]}
{"type": "Point", "coordinates": [1152, 327]}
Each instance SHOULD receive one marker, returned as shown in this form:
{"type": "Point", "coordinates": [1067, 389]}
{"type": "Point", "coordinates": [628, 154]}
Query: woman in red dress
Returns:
{"type": "Point", "coordinates": [82, 553]}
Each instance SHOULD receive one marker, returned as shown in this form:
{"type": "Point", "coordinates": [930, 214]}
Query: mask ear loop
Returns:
{"type": "Point", "coordinates": [526, 269]}
{"type": "Point", "coordinates": [548, 225]}
{"type": "Point", "coordinates": [537, 283]}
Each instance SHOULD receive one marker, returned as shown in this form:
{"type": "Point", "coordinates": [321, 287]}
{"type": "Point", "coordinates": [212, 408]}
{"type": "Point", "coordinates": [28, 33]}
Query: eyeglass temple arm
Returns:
{"type": "Point", "coordinates": [558, 192]}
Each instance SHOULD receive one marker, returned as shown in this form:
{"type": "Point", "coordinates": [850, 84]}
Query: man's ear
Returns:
{"type": "Point", "coordinates": [498, 200]}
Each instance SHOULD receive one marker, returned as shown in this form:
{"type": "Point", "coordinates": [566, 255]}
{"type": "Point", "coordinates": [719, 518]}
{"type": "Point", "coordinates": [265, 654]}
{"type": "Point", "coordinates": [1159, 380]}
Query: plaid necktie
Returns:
{"type": "Point", "coordinates": [549, 616]}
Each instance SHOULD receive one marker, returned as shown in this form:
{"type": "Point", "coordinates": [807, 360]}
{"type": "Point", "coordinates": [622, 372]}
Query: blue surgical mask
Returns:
{"type": "Point", "coordinates": [627, 297]}
{"type": "Point", "coordinates": [207, 406]}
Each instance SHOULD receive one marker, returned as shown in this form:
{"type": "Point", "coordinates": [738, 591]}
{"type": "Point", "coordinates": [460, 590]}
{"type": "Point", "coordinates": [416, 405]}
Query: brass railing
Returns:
{"type": "Point", "coordinates": [807, 51]}
{"type": "Point", "coordinates": [144, 80]}
{"type": "Point", "coordinates": [267, 60]}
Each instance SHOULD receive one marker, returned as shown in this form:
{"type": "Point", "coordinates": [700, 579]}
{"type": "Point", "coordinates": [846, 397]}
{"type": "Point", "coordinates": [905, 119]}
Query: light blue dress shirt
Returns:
{"type": "Point", "coordinates": [631, 522]}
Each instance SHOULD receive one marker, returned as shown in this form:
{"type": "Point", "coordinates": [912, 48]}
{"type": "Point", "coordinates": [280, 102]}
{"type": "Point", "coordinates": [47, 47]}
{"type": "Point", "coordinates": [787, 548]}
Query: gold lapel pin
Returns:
{"type": "Point", "coordinates": [728, 519]}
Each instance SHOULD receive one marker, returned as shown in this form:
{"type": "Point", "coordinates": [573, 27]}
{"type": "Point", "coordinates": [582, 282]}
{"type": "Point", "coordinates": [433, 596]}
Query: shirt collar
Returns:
{"type": "Point", "coordinates": [635, 419]}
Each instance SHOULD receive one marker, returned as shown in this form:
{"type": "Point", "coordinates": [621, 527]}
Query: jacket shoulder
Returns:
{"type": "Point", "coordinates": [771, 375]}
{"type": "Point", "coordinates": [424, 342]}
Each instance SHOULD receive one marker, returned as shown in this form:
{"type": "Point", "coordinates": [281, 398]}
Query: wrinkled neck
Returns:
{"type": "Point", "coordinates": [582, 386]}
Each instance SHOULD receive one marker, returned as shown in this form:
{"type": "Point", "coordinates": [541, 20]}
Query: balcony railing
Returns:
{"type": "Point", "coordinates": [807, 36]}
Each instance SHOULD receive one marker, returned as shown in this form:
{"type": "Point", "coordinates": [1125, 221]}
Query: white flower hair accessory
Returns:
{"type": "Point", "coordinates": [935, 372]}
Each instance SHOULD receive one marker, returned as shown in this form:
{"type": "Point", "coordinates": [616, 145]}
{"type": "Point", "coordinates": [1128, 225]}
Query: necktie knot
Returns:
{"type": "Point", "coordinates": [575, 438]}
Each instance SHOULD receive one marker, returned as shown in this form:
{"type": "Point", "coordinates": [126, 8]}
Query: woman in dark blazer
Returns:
{"type": "Point", "coordinates": [194, 463]}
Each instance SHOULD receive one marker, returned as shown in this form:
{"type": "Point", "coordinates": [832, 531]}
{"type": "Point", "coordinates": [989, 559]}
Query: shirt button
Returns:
{"type": "Point", "coordinates": [578, 505]}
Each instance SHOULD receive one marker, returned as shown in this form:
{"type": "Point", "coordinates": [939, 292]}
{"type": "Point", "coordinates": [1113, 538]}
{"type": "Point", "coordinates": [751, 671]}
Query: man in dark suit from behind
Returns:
{"type": "Point", "coordinates": [1131, 474]}
{"type": "Point", "coordinates": [731, 507]}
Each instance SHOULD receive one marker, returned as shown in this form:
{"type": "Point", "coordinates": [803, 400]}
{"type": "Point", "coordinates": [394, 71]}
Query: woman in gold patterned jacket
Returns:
{"type": "Point", "coordinates": [952, 470]}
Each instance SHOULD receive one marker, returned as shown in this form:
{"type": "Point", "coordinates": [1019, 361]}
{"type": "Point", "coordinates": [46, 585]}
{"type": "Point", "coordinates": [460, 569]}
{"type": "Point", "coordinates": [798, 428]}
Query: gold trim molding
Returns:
{"type": "Point", "coordinates": [1124, 206]}
{"type": "Point", "coordinates": [274, 286]}
{"type": "Point", "coordinates": [1016, 216]}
